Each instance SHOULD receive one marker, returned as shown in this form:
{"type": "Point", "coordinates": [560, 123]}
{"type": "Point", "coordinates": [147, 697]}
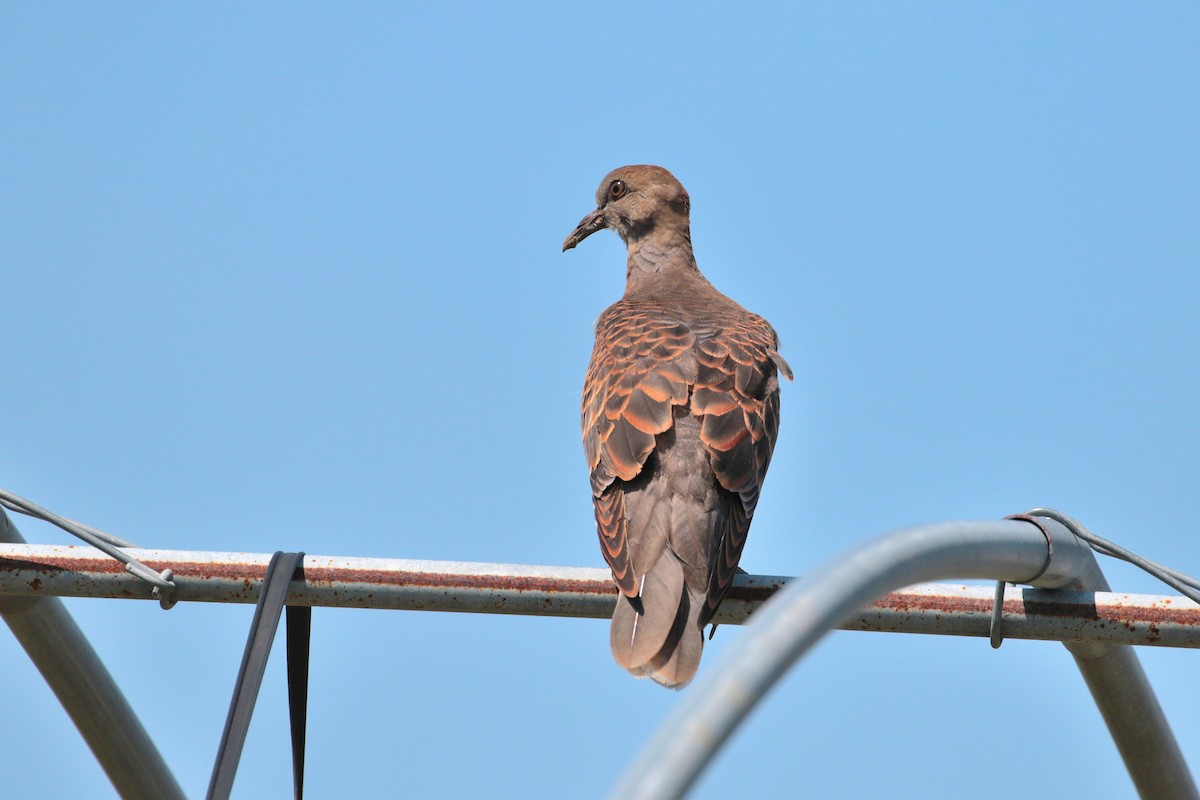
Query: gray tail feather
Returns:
{"type": "Point", "coordinates": [676, 669]}
{"type": "Point", "coordinates": [663, 642]}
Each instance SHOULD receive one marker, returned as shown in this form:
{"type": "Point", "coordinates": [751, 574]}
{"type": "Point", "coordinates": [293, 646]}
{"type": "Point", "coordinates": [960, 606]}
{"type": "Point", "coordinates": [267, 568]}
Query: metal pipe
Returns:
{"type": "Point", "coordinates": [957, 610]}
{"type": "Point", "coordinates": [1042, 553]}
{"type": "Point", "coordinates": [328, 581]}
{"type": "Point", "coordinates": [1126, 700]}
{"type": "Point", "coordinates": [86, 690]}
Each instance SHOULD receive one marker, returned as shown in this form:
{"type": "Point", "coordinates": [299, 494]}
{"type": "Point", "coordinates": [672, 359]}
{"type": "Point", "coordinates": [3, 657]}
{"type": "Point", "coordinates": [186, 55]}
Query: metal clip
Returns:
{"type": "Point", "coordinates": [166, 597]}
{"type": "Point", "coordinates": [996, 629]}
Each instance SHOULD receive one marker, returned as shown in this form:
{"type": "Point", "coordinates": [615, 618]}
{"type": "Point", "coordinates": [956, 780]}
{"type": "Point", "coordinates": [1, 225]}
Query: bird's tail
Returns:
{"type": "Point", "coordinates": [664, 640]}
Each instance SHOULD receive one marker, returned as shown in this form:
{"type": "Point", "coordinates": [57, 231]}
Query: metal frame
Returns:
{"type": "Point", "coordinates": [1072, 604]}
{"type": "Point", "coordinates": [85, 688]}
{"type": "Point", "coordinates": [1037, 551]}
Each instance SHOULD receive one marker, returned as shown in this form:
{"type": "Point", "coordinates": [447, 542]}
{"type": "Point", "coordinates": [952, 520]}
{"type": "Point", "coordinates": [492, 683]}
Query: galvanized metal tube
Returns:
{"type": "Point", "coordinates": [788, 625]}
{"type": "Point", "coordinates": [1136, 722]}
{"type": "Point", "coordinates": [1126, 700]}
{"type": "Point", "coordinates": [86, 690]}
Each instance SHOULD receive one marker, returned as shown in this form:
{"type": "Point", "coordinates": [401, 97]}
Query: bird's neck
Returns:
{"type": "Point", "coordinates": [665, 255]}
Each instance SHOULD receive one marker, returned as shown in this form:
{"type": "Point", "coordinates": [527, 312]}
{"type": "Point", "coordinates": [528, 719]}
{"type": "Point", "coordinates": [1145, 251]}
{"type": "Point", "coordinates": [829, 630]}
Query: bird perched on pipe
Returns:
{"type": "Point", "coordinates": [680, 415]}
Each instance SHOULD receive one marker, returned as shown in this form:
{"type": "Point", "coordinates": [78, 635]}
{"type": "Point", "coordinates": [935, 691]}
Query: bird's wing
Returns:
{"type": "Point", "coordinates": [641, 368]}
{"type": "Point", "coordinates": [736, 397]}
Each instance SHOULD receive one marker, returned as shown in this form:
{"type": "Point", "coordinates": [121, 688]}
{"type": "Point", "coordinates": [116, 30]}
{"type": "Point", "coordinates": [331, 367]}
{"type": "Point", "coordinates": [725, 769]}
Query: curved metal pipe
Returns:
{"type": "Point", "coordinates": [1037, 551]}
{"type": "Point", "coordinates": [87, 691]}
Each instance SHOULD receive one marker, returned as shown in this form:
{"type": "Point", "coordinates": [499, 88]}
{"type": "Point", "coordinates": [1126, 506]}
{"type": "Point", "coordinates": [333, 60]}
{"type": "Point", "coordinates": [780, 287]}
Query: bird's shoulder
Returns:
{"type": "Point", "coordinates": [664, 323]}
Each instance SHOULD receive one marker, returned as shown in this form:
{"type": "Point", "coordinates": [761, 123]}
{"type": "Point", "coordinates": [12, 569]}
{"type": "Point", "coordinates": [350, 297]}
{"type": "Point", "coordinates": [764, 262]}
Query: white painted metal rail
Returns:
{"type": "Point", "coordinates": [392, 583]}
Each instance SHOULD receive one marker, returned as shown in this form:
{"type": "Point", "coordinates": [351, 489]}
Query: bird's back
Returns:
{"type": "Point", "coordinates": [680, 412]}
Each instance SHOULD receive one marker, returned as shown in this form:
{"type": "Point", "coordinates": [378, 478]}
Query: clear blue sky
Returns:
{"type": "Point", "coordinates": [288, 277]}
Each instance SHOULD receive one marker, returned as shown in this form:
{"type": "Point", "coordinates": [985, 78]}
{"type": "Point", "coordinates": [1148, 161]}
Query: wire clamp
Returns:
{"type": "Point", "coordinates": [166, 597]}
{"type": "Point", "coordinates": [996, 629]}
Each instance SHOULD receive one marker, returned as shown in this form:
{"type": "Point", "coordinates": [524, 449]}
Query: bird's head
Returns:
{"type": "Point", "coordinates": [636, 201]}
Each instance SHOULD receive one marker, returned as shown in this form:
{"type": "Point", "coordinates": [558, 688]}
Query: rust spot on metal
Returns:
{"type": "Point", "coordinates": [914, 603]}
{"type": "Point", "coordinates": [48, 565]}
{"type": "Point", "coordinates": [1166, 613]}
{"type": "Point", "coordinates": [210, 571]}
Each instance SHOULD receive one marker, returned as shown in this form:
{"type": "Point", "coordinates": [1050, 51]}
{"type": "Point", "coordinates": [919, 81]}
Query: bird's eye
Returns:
{"type": "Point", "coordinates": [617, 190]}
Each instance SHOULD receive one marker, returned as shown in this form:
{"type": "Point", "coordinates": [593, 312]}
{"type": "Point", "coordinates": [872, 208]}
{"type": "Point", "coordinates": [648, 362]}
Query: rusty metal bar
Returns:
{"type": "Point", "coordinates": [1029, 613]}
{"type": "Point", "coordinates": [957, 610]}
{"type": "Point", "coordinates": [85, 688]}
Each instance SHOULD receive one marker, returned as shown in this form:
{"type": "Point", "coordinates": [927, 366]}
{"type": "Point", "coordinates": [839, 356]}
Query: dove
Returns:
{"type": "Point", "coordinates": [680, 415]}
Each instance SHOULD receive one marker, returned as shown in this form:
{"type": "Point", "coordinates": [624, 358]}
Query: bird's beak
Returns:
{"type": "Point", "coordinates": [586, 227]}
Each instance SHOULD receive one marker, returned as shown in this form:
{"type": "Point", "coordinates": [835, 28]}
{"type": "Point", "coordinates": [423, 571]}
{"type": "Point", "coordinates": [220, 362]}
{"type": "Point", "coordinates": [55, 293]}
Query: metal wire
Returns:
{"type": "Point", "coordinates": [164, 587]}
{"type": "Point", "coordinates": [1186, 585]}
{"type": "Point", "coordinates": [108, 537]}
